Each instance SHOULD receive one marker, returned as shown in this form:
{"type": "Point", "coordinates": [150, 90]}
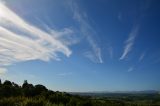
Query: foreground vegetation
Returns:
{"type": "Point", "coordinates": [12, 94]}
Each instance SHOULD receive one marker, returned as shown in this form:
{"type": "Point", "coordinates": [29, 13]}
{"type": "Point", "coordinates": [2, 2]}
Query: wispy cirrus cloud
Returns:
{"type": "Point", "coordinates": [88, 32]}
{"type": "Point", "coordinates": [130, 69]}
{"type": "Point", "coordinates": [110, 50]}
{"type": "Point", "coordinates": [129, 42]}
{"type": "Point", "coordinates": [65, 74]}
{"type": "Point", "coordinates": [142, 56]}
{"type": "Point", "coordinates": [21, 41]}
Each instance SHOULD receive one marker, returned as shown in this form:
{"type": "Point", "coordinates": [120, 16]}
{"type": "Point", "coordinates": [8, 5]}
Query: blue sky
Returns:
{"type": "Point", "coordinates": [81, 45]}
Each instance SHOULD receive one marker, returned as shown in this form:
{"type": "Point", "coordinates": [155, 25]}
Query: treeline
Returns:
{"type": "Point", "coordinates": [11, 94]}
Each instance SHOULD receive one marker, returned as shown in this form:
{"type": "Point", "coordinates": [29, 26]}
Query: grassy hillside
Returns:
{"type": "Point", "coordinates": [11, 94]}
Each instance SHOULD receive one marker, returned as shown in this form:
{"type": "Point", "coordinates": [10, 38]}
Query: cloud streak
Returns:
{"type": "Point", "coordinates": [21, 41]}
{"type": "Point", "coordinates": [88, 32]}
{"type": "Point", "coordinates": [141, 56]}
{"type": "Point", "coordinates": [130, 42]}
{"type": "Point", "coordinates": [130, 69]}
{"type": "Point", "coordinates": [65, 74]}
{"type": "Point", "coordinates": [110, 51]}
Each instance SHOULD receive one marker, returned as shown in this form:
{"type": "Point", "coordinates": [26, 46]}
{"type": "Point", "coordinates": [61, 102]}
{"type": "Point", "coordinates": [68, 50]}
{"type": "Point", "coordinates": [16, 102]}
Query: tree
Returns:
{"type": "Point", "coordinates": [0, 82]}
{"type": "Point", "coordinates": [39, 89]}
{"type": "Point", "coordinates": [6, 82]}
{"type": "Point", "coordinates": [25, 84]}
{"type": "Point", "coordinates": [15, 85]}
{"type": "Point", "coordinates": [6, 89]}
{"type": "Point", "coordinates": [28, 89]}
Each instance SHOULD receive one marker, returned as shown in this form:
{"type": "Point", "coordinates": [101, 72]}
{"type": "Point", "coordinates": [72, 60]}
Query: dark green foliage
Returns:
{"type": "Point", "coordinates": [7, 83]}
{"type": "Point", "coordinates": [40, 89]}
{"type": "Point", "coordinates": [11, 94]}
{"type": "Point", "coordinates": [0, 82]}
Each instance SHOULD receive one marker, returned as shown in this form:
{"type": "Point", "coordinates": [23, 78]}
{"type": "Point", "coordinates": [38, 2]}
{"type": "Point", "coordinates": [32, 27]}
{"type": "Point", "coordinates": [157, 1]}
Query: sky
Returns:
{"type": "Point", "coordinates": [81, 45]}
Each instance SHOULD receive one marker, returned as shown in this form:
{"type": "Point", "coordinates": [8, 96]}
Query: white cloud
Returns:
{"type": "Point", "coordinates": [91, 56]}
{"type": "Point", "coordinates": [110, 50]}
{"type": "Point", "coordinates": [141, 56]}
{"type": "Point", "coordinates": [88, 31]}
{"type": "Point", "coordinates": [130, 69]}
{"type": "Point", "coordinates": [65, 74]}
{"type": "Point", "coordinates": [3, 71]}
{"type": "Point", "coordinates": [21, 41]}
{"type": "Point", "coordinates": [129, 42]}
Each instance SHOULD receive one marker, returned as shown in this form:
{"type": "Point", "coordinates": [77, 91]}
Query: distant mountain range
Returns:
{"type": "Point", "coordinates": [115, 93]}
{"type": "Point", "coordinates": [142, 92]}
